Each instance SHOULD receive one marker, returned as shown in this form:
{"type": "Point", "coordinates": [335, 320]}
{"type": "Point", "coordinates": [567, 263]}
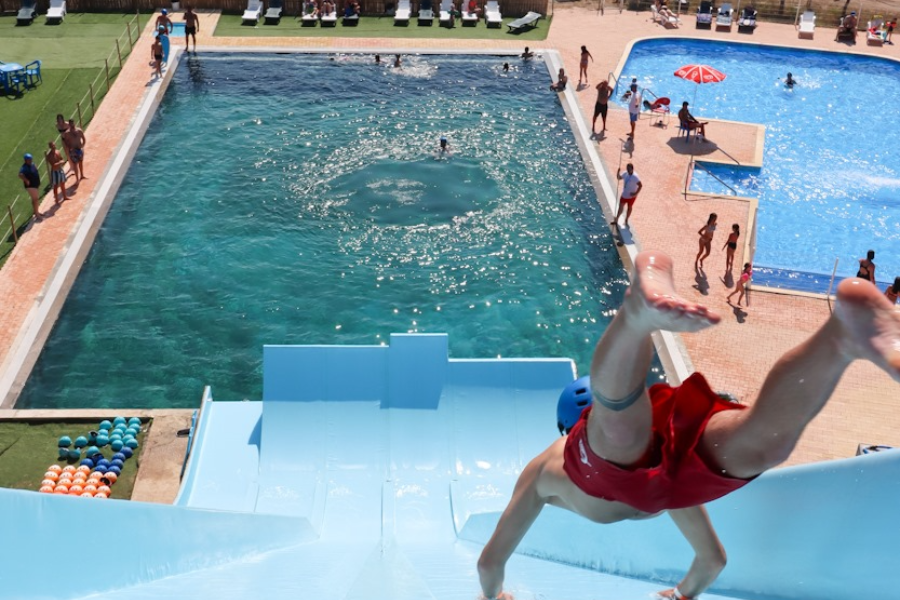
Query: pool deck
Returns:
{"type": "Point", "coordinates": [735, 356]}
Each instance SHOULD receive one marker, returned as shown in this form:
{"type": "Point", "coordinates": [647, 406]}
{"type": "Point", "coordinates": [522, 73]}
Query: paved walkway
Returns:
{"type": "Point", "coordinates": [735, 355]}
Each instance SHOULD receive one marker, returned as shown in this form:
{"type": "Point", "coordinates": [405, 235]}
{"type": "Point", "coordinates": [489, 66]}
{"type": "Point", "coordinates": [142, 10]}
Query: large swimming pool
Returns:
{"type": "Point", "coordinates": [830, 182]}
{"type": "Point", "coordinates": [298, 199]}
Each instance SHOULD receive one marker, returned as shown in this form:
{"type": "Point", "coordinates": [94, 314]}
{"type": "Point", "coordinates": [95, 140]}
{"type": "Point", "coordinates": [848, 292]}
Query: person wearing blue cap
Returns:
{"type": "Point", "coordinates": [163, 21]}
{"type": "Point", "coordinates": [633, 453]}
{"type": "Point", "coordinates": [32, 180]}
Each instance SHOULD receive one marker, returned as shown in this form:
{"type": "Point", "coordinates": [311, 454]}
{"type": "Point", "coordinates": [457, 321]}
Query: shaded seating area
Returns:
{"type": "Point", "coordinates": [253, 13]}
{"type": "Point", "coordinates": [724, 17]}
{"type": "Point", "coordinates": [747, 20]}
{"type": "Point", "coordinates": [27, 12]}
{"type": "Point", "coordinates": [806, 28]}
{"type": "Point", "coordinates": [273, 14]}
{"type": "Point", "coordinates": [57, 11]}
{"type": "Point", "coordinates": [529, 21]}
{"type": "Point", "coordinates": [705, 15]}
{"type": "Point", "coordinates": [492, 15]}
{"type": "Point", "coordinates": [660, 109]}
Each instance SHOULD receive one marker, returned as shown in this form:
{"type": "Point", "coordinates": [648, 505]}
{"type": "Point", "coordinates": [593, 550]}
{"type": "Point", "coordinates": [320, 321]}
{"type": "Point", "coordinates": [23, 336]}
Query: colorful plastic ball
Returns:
{"type": "Point", "coordinates": [75, 489]}
{"type": "Point", "coordinates": [63, 453]}
{"type": "Point", "coordinates": [69, 469]}
{"type": "Point", "coordinates": [51, 475]}
{"type": "Point", "coordinates": [92, 437]}
{"type": "Point", "coordinates": [115, 469]}
{"type": "Point", "coordinates": [132, 431]}
{"type": "Point", "coordinates": [61, 489]}
{"type": "Point", "coordinates": [131, 444]}
{"type": "Point", "coordinates": [84, 468]}
{"type": "Point", "coordinates": [134, 422]}
{"type": "Point", "coordinates": [74, 454]}
{"type": "Point", "coordinates": [117, 445]}
{"type": "Point", "coordinates": [112, 476]}
{"type": "Point", "coordinates": [119, 456]}
{"type": "Point", "coordinates": [87, 464]}
{"type": "Point", "coordinates": [116, 435]}
{"type": "Point", "coordinates": [64, 442]}
{"type": "Point", "coordinates": [90, 487]}
{"type": "Point", "coordinates": [116, 462]}
{"type": "Point", "coordinates": [105, 425]}
{"type": "Point", "coordinates": [101, 495]}
{"type": "Point", "coordinates": [46, 489]}
{"type": "Point", "coordinates": [119, 421]}
{"type": "Point", "coordinates": [101, 469]}
{"type": "Point", "coordinates": [102, 440]}
{"type": "Point", "coordinates": [104, 489]}
{"type": "Point", "coordinates": [92, 450]}
{"type": "Point", "coordinates": [55, 468]}
{"type": "Point", "coordinates": [87, 494]}
{"type": "Point", "coordinates": [103, 462]}
{"type": "Point", "coordinates": [49, 482]}
{"type": "Point", "coordinates": [128, 452]}
{"type": "Point", "coordinates": [81, 441]}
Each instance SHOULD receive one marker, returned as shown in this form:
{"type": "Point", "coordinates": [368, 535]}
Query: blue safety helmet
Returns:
{"type": "Point", "coordinates": [165, 12]}
{"type": "Point", "coordinates": [574, 399]}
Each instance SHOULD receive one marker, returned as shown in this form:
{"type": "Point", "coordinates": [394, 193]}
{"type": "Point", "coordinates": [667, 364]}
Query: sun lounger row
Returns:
{"type": "Point", "coordinates": [470, 14]}
{"type": "Point", "coordinates": [724, 17]}
{"type": "Point", "coordinates": [28, 12]}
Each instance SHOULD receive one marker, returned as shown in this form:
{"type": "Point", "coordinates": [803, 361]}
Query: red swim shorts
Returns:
{"type": "Point", "coordinates": [628, 201]}
{"type": "Point", "coordinates": [675, 476]}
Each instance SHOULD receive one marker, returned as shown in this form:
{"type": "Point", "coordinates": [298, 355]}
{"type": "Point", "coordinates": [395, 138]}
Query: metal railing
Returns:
{"type": "Point", "coordinates": [84, 111]}
{"type": "Point", "coordinates": [691, 166]}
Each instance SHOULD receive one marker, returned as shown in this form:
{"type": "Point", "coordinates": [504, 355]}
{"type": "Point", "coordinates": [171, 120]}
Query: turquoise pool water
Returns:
{"type": "Point", "coordinates": [291, 199]}
{"type": "Point", "coordinates": [830, 182]}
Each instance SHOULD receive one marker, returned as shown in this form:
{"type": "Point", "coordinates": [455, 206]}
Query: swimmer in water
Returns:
{"type": "Point", "coordinates": [445, 145]}
{"type": "Point", "coordinates": [377, 59]}
{"type": "Point", "coordinates": [790, 81]}
{"type": "Point", "coordinates": [397, 63]}
{"type": "Point", "coordinates": [506, 67]}
{"type": "Point", "coordinates": [620, 460]}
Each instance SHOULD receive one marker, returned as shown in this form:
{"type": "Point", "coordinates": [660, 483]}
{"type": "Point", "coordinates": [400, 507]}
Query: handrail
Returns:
{"type": "Point", "coordinates": [615, 81]}
{"type": "Point", "coordinates": [696, 164]}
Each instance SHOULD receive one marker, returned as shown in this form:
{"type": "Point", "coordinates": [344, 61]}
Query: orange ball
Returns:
{"type": "Point", "coordinates": [55, 468]}
{"type": "Point", "coordinates": [51, 475]}
{"type": "Point", "coordinates": [87, 494]}
{"type": "Point", "coordinates": [49, 482]}
{"type": "Point", "coordinates": [65, 477]}
{"type": "Point", "coordinates": [79, 478]}
{"type": "Point", "coordinates": [104, 489]}
{"type": "Point", "coordinates": [68, 469]}
{"type": "Point", "coordinates": [84, 469]}
{"type": "Point", "coordinates": [111, 476]}
{"type": "Point", "coordinates": [61, 489]}
{"type": "Point", "coordinates": [100, 495]}
{"type": "Point", "coordinates": [75, 489]}
{"type": "Point", "coordinates": [46, 489]}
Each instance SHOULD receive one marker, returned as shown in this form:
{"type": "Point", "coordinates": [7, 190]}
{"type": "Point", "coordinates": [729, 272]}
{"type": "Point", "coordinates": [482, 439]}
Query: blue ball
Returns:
{"type": "Point", "coordinates": [103, 462]}
{"type": "Point", "coordinates": [132, 444]}
{"type": "Point", "coordinates": [64, 453]}
{"type": "Point", "coordinates": [119, 456]}
{"type": "Point", "coordinates": [81, 441]}
{"type": "Point", "coordinates": [132, 431]}
{"type": "Point", "coordinates": [102, 440]}
{"type": "Point", "coordinates": [65, 441]}
{"type": "Point", "coordinates": [116, 445]}
{"type": "Point", "coordinates": [87, 463]}
{"type": "Point", "coordinates": [128, 437]}
{"type": "Point", "coordinates": [105, 425]}
{"type": "Point", "coordinates": [128, 452]}
{"type": "Point", "coordinates": [115, 469]}
{"type": "Point", "coordinates": [100, 469]}
{"type": "Point", "coordinates": [134, 422]}
{"type": "Point", "coordinates": [74, 454]}
{"type": "Point", "coordinates": [117, 463]}
{"type": "Point", "coordinates": [92, 437]}
{"type": "Point", "coordinates": [92, 451]}
{"type": "Point", "coordinates": [116, 435]}
{"type": "Point", "coordinates": [119, 421]}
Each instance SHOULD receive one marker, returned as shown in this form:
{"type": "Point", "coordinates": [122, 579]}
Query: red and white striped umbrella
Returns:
{"type": "Point", "coordinates": [700, 74]}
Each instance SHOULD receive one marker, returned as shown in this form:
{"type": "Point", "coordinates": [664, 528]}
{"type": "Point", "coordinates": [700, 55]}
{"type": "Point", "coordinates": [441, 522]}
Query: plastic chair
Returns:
{"type": "Point", "coordinates": [33, 73]}
{"type": "Point", "coordinates": [684, 129]}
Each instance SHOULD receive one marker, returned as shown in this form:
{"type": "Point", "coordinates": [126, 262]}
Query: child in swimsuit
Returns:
{"type": "Point", "coordinates": [731, 244]}
{"type": "Point", "coordinates": [585, 55]}
{"type": "Point", "coordinates": [740, 288]}
{"type": "Point", "coordinates": [893, 291]}
{"type": "Point", "coordinates": [706, 235]}
{"type": "Point", "coordinates": [867, 267]}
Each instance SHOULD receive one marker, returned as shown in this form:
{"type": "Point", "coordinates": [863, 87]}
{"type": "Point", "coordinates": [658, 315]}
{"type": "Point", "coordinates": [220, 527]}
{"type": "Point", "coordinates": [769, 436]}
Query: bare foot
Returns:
{"type": "Point", "coordinates": [652, 302]}
{"type": "Point", "coordinates": [868, 325]}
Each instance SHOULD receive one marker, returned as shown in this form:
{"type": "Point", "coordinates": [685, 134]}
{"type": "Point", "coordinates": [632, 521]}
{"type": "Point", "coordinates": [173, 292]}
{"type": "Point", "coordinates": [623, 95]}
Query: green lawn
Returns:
{"type": "Point", "coordinates": [28, 449]}
{"type": "Point", "coordinates": [72, 56]}
{"type": "Point", "coordinates": [231, 26]}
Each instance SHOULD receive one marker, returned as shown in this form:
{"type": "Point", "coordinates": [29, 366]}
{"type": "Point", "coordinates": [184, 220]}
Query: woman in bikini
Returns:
{"type": "Point", "coordinates": [585, 55]}
{"type": "Point", "coordinates": [867, 267]}
{"type": "Point", "coordinates": [892, 291]}
{"type": "Point", "coordinates": [740, 287]}
{"type": "Point", "coordinates": [706, 235]}
{"type": "Point", "coordinates": [731, 244]}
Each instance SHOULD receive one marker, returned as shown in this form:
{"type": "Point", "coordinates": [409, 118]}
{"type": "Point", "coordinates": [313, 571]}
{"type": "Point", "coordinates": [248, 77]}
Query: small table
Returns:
{"type": "Point", "coordinates": [7, 72]}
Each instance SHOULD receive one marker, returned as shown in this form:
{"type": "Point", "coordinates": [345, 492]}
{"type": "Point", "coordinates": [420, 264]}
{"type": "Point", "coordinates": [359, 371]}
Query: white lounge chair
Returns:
{"type": "Point", "coordinates": [329, 19]}
{"type": "Point", "coordinates": [529, 20]}
{"type": "Point", "coordinates": [724, 17]}
{"type": "Point", "coordinates": [444, 13]}
{"type": "Point", "coordinates": [667, 19]}
{"type": "Point", "coordinates": [273, 13]}
{"type": "Point", "coordinates": [807, 27]}
{"type": "Point", "coordinates": [492, 15]}
{"type": "Point", "coordinates": [56, 12]}
{"type": "Point", "coordinates": [875, 32]}
{"type": "Point", "coordinates": [426, 14]}
{"type": "Point", "coordinates": [253, 12]}
{"type": "Point", "coordinates": [310, 14]}
{"type": "Point", "coordinates": [402, 13]}
{"type": "Point", "coordinates": [469, 18]}
{"type": "Point", "coordinates": [27, 12]}
{"type": "Point", "coordinates": [350, 19]}
{"type": "Point", "coordinates": [747, 20]}
{"type": "Point", "coordinates": [705, 15]}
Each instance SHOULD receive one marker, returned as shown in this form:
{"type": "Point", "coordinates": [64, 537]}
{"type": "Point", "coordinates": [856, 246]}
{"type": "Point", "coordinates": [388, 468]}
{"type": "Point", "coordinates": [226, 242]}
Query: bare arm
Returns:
{"type": "Point", "coordinates": [523, 509]}
{"type": "Point", "coordinates": [709, 555]}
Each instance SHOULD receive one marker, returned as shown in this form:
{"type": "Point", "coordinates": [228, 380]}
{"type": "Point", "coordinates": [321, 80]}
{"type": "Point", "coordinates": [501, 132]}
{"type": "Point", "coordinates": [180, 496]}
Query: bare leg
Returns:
{"type": "Point", "coordinates": [622, 358]}
{"type": "Point", "coordinates": [864, 325]}
{"type": "Point", "coordinates": [628, 213]}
